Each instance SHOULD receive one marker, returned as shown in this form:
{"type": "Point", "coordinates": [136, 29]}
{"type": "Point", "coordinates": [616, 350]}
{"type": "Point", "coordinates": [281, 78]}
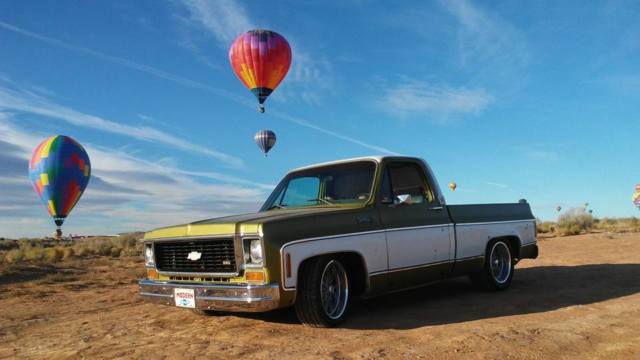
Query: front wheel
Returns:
{"type": "Point", "coordinates": [323, 292]}
{"type": "Point", "coordinates": [497, 272]}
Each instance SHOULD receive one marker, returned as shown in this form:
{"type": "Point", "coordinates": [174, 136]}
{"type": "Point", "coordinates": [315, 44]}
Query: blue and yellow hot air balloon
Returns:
{"type": "Point", "coordinates": [59, 170]}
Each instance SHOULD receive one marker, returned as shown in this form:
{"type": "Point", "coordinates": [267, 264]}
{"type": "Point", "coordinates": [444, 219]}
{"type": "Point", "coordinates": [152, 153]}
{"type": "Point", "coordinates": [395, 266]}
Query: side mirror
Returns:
{"type": "Point", "coordinates": [403, 199]}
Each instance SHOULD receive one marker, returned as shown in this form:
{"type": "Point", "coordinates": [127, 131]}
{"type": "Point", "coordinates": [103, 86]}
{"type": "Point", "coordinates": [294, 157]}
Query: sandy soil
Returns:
{"type": "Point", "coordinates": [579, 299]}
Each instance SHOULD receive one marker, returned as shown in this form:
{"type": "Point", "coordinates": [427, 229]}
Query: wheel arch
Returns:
{"type": "Point", "coordinates": [354, 263]}
{"type": "Point", "coordinates": [513, 241]}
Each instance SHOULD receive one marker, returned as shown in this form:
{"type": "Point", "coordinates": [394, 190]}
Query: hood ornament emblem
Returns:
{"type": "Point", "coordinates": [194, 256]}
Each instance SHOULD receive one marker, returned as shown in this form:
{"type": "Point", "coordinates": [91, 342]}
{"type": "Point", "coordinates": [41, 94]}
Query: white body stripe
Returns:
{"type": "Point", "coordinates": [417, 246]}
{"type": "Point", "coordinates": [472, 238]}
{"type": "Point", "coordinates": [372, 246]}
{"type": "Point", "coordinates": [387, 250]}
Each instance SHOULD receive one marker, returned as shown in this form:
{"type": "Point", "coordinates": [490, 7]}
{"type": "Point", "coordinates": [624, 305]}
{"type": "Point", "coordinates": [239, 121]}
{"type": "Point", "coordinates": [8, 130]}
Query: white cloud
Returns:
{"type": "Point", "coordinates": [242, 100]}
{"type": "Point", "coordinates": [486, 42]}
{"type": "Point", "coordinates": [496, 184]}
{"type": "Point", "coordinates": [21, 101]}
{"type": "Point", "coordinates": [309, 78]}
{"type": "Point", "coordinates": [416, 98]}
{"type": "Point", "coordinates": [125, 193]}
{"type": "Point", "coordinates": [223, 19]}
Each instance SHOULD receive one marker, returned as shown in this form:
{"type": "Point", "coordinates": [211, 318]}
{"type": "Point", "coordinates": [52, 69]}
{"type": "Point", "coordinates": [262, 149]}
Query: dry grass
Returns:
{"type": "Point", "coordinates": [578, 221]}
{"type": "Point", "coordinates": [46, 251]}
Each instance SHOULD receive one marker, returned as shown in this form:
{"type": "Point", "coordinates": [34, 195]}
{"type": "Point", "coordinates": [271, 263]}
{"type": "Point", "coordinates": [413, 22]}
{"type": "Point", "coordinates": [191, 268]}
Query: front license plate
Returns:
{"type": "Point", "coordinates": [185, 298]}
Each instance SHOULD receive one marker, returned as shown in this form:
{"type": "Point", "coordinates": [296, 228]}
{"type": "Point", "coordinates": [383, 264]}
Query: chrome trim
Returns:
{"type": "Point", "coordinates": [220, 297]}
{"type": "Point", "coordinates": [495, 222]}
{"type": "Point", "coordinates": [143, 293]}
{"type": "Point", "coordinates": [411, 267]}
{"type": "Point", "coordinates": [418, 227]}
{"type": "Point", "coordinates": [198, 274]}
{"type": "Point", "coordinates": [187, 238]}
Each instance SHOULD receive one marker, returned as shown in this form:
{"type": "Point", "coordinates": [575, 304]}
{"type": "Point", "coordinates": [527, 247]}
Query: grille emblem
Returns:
{"type": "Point", "coordinates": [194, 256]}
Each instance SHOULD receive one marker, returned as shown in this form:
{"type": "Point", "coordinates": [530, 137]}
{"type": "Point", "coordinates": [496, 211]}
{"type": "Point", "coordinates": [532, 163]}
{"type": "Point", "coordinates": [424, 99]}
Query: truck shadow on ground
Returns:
{"type": "Point", "coordinates": [534, 290]}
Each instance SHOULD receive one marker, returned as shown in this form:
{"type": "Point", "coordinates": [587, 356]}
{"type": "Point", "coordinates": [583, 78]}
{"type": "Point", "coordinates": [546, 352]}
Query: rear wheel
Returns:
{"type": "Point", "coordinates": [322, 293]}
{"type": "Point", "coordinates": [497, 272]}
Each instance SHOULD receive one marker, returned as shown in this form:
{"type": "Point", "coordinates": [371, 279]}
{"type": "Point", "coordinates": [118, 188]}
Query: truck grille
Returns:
{"type": "Point", "coordinates": [216, 256]}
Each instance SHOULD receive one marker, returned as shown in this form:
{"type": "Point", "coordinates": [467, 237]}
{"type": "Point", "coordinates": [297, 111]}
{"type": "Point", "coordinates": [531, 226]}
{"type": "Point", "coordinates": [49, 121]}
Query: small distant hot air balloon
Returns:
{"type": "Point", "coordinates": [558, 208]}
{"type": "Point", "coordinates": [636, 197]}
{"type": "Point", "coordinates": [453, 186]}
{"type": "Point", "coordinates": [586, 204]}
{"type": "Point", "coordinates": [260, 59]}
{"type": "Point", "coordinates": [265, 139]}
{"type": "Point", "coordinates": [590, 211]}
{"type": "Point", "coordinates": [59, 170]}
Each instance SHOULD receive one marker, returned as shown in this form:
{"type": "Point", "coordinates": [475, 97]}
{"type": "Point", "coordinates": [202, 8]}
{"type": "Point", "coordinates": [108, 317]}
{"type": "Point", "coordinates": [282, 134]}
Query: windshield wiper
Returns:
{"type": "Point", "coordinates": [276, 206]}
{"type": "Point", "coordinates": [322, 200]}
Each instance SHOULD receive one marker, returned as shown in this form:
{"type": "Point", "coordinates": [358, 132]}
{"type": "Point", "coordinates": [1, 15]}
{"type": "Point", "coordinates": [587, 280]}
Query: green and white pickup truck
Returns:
{"type": "Point", "coordinates": [334, 231]}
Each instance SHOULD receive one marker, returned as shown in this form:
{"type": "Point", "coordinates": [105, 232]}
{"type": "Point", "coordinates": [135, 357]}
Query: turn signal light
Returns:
{"type": "Point", "coordinates": [254, 276]}
{"type": "Point", "coordinates": [152, 273]}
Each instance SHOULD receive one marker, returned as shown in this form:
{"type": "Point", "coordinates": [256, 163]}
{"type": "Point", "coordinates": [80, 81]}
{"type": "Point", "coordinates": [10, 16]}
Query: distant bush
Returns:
{"type": "Point", "coordinates": [574, 222]}
{"type": "Point", "coordinates": [631, 224]}
{"type": "Point", "coordinates": [51, 251]}
{"type": "Point", "coordinates": [545, 227]}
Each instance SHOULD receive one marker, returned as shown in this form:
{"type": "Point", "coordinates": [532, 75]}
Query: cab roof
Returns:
{"type": "Point", "coordinates": [376, 158]}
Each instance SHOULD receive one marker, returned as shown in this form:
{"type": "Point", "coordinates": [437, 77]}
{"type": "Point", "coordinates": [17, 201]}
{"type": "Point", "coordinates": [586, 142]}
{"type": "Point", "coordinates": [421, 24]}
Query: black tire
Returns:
{"type": "Point", "coordinates": [314, 276]}
{"type": "Point", "coordinates": [203, 312]}
{"type": "Point", "coordinates": [500, 276]}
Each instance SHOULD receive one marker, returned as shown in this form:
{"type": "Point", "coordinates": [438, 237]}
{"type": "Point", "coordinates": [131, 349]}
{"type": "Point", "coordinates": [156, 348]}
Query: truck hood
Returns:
{"type": "Point", "coordinates": [237, 224]}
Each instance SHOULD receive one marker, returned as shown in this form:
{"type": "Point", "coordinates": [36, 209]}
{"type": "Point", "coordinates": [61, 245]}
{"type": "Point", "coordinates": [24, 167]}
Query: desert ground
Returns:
{"type": "Point", "coordinates": [579, 299]}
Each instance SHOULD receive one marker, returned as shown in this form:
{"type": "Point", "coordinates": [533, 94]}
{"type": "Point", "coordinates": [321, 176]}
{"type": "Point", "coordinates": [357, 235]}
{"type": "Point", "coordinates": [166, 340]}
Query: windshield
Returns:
{"type": "Point", "coordinates": [325, 186]}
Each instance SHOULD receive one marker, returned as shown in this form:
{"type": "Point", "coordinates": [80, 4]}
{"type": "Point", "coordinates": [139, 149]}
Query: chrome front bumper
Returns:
{"type": "Point", "coordinates": [220, 297]}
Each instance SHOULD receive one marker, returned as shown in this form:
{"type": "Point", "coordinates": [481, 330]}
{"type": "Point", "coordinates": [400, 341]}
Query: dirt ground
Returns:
{"type": "Point", "coordinates": [579, 299]}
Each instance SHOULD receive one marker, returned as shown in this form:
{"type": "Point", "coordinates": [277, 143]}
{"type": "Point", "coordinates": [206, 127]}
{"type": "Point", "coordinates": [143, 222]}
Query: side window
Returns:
{"type": "Point", "coordinates": [408, 179]}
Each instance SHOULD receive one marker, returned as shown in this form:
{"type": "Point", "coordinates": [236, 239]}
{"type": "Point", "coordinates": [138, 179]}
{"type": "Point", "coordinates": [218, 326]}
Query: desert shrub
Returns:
{"type": "Point", "coordinates": [68, 252]}
{"type": "Point", "coordinates": [545, 227]}
{"type": "Point", "coordinates": [574, 222]}
{"type": "Point", "coordinates": [52, 254]}
{"type": "Point", "coordinates": [14, 256]}
{"type": "Point", "coordinates": [116, 251]}
{"type": "Point", "coordinates": [33, 252]}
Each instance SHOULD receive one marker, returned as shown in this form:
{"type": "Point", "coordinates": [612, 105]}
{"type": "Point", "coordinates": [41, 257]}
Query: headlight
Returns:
{"type": "Point", "coordinates": [253, 253]}
{"type": "Point", "coordinates": [256, 251]}
{"type": "Point", "coordinates": [148, 255]}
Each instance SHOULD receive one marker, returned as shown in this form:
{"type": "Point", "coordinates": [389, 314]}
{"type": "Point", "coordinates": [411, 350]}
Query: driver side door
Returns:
{"type": "Point", "coordinates": [417, 226]}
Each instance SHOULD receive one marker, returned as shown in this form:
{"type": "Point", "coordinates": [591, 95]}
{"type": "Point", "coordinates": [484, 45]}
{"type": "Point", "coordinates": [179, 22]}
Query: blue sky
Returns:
{"type": "Point", "coordinates": [535, 100]}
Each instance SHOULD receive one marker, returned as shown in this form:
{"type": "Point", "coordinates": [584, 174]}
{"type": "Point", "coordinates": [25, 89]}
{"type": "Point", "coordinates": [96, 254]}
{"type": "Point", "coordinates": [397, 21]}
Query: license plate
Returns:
{"type": "Point", "coordinates": [185, 298]}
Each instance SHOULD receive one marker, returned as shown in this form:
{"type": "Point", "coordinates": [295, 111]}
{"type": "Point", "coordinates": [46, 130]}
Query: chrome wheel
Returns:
{"type": "Point", "coordinates": [334, 289]}
{"type": "Point", "coordinates": [500, 262]}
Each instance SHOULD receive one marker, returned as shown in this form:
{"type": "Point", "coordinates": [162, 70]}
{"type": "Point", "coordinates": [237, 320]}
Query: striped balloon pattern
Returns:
{"type": "Point", "coordinates": [265, 139]}
{"type": "Point", "coordinates": [261, 60]}
{"type": "Point", "coordinates": [636, 197]}
{"type": "Point", "coordinates": [59, 170]}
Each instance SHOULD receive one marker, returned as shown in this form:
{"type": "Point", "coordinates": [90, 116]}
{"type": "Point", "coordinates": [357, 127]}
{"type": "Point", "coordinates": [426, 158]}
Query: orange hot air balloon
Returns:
{"type": "Point", "coordinates": [260, 59]}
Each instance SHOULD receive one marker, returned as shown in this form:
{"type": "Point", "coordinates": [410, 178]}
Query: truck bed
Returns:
{"type": "Point", "coordinates": [484, 213]}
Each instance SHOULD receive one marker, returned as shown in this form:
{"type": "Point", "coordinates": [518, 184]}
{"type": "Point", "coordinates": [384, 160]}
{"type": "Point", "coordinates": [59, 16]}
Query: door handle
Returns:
{"type": "Point", "coordinates": [364, 219]}
{"type": "Point", "coordinates": [436, 208]}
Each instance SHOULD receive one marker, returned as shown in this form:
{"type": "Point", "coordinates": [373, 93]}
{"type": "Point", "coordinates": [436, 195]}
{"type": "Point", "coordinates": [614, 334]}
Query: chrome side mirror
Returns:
{"type": "Point", "coordinates": [403, 199]}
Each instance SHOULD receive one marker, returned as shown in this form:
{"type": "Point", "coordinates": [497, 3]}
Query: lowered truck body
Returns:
{"type": "Point", "coordinates": [330, 232]}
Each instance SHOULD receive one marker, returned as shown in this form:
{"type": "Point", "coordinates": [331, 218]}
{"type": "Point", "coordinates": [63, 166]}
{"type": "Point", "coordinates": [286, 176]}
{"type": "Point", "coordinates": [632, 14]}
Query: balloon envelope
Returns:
{"type": "Point", "coordinates": [59, 170]}
{"type": "Point", "coordinates": [558, 208]}
{"type": "Point", "coordinates": [265, 139]}
{"type": "Point", "coordinates": [453, 186]}
{"type": "Point", "coordinates": [260, 59]}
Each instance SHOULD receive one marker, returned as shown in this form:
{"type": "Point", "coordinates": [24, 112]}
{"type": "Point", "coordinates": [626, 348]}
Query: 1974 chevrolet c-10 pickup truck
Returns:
{"type": "Point", "coordinates": [331, 232]}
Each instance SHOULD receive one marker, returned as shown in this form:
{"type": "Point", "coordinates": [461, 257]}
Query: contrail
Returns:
{"type": "Point", "coordinates": [185, 82]}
